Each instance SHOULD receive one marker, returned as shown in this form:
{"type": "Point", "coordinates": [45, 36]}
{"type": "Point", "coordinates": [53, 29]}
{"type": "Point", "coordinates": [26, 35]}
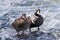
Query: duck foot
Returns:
{"type": "Point", "coordinates": [23, 36]}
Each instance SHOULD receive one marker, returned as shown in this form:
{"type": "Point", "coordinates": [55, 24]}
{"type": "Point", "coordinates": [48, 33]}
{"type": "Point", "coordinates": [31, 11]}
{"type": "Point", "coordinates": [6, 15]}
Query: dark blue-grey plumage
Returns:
{"type": "Point", "coordinates": [37, 21]}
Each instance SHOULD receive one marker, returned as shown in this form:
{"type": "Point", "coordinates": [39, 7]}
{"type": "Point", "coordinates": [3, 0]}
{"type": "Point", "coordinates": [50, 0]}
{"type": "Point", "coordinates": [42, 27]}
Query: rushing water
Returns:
{"type": "Point", "coordinates": [12, 9]}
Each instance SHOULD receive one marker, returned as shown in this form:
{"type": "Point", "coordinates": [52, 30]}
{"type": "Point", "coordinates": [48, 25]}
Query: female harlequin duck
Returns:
{"type": "Point", "coordinates": [22, 23]}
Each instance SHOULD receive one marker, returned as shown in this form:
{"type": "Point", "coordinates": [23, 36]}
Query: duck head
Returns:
{"type": "Point", "coordinates": [23, 16]}
{"type": "Point", "coordinates": [37, 13]}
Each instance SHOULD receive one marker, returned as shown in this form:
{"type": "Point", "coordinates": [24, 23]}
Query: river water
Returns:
{"type": "Point", "coordinates": [12, 9]}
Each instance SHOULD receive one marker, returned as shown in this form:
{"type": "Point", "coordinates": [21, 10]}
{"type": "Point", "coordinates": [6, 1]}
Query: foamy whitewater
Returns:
{"type": "Point", "coordinates": [12, 9]}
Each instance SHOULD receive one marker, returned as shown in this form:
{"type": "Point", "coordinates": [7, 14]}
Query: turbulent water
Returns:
{"type": "Point", "coordinates": [12, 9]}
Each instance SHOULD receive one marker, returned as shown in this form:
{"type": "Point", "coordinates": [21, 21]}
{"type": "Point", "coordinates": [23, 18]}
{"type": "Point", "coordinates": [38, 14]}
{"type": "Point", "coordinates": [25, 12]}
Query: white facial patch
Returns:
{"type": "Point", "coordinates": [38, 12]}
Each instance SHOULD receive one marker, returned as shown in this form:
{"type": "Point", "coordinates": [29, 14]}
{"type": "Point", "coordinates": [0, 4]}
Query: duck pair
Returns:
{"type": "Point", "coordinates": [22, 23]}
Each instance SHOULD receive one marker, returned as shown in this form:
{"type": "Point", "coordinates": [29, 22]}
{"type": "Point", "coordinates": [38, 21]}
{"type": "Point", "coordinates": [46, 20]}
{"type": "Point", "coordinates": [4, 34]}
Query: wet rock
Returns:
{"type": "Point", "coordinates": [8, 39]}
{"type": "Point", "coordinates": [0, 38]}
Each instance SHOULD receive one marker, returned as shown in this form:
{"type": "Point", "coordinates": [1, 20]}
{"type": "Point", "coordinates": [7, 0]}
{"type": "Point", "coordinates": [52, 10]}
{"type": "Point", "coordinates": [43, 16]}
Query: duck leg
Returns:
{"type": "Point", "coordinates": [29, 29]}
{"type": "Point", "coordinates": [18, 34]}
{"type": "Point", "coordinates": [22, 32]}
{"type": "Point", "coordinates": [38, 28]}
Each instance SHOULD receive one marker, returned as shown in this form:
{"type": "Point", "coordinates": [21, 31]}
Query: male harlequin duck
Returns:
{"type": "Point", "coordinates": [36, 20]}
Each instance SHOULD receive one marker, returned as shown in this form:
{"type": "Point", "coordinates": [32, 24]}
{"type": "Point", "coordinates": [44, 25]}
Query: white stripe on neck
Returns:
{"type": "Point", "coordinates": [33, 18]}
